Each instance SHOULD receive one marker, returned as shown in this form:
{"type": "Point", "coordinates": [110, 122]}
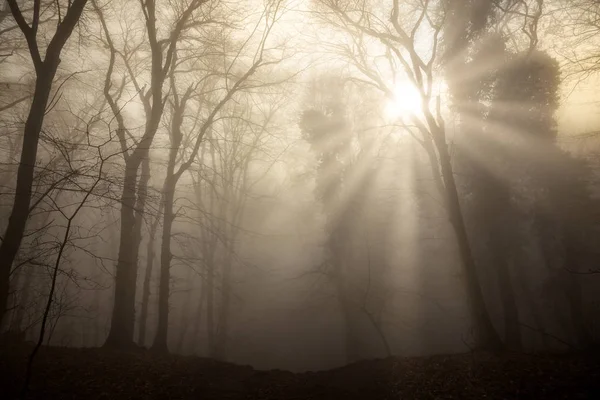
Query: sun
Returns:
{"type": "Point", "coordinates": [406, 101]}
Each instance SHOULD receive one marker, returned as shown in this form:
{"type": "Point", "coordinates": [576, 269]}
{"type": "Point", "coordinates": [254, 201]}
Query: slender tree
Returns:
{"type": "Point", "coordinates": [233, 85]}
{"type": "Point", "coordinates": [87, 193]}
{"type": "Point", "coordinates": [150, 254]}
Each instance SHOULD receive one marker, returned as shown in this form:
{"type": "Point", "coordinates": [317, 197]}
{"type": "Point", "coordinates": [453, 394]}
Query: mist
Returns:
{"type": "Point", "coordinates": [300, 186]}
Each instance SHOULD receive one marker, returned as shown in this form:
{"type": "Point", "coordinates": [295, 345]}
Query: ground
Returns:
{"type": "Point", "coordinates": [67, 373]}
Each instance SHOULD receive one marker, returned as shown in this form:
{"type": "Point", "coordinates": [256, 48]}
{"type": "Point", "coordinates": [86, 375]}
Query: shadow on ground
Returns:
{"type": "Point", "coordinates": [66, 373]}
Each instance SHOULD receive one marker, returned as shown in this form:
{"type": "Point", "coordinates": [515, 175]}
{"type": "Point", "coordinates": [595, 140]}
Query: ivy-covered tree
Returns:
{"type": "Point", "coordinates": [480, 154]}
{"type": "Point", "coordinates": [564, 213]}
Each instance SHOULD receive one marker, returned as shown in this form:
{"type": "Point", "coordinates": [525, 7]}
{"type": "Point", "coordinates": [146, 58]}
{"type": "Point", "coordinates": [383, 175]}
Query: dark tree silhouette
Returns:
{"type": "Point", "coordinates": [46, 64]}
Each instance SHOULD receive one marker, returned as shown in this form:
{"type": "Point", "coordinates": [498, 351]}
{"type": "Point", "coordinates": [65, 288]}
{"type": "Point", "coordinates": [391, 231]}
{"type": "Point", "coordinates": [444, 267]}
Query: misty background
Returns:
{"type": "Point", "coordinates": [271, 182]}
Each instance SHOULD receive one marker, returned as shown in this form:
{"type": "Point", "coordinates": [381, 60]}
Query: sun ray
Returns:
{"type": "Point", "coordinates": [406, 101]}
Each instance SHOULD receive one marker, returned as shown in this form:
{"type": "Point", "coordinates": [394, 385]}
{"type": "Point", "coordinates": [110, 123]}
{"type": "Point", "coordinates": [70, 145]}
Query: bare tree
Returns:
{"type": "Point", "coordinates": [66, 240]}
{"type": "Point", "coordinates": [233, 84]}
{"type": "Point", "coordinates": [153, 100]}
{"type": "Point", "coordinates": [46, 66]}
{"type": "Point", "coordinates": [401, 49]}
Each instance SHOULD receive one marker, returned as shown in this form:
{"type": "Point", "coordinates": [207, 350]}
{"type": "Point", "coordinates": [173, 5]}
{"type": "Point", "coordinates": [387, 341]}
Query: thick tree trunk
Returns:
{"type": "Point", "coordinates": [123, 315]}
{"type": "Point", "coordinates": [132, 208]}
{"type": "Point", "coordinates": [45, 73]}
{"type": "Point", "coordinates": [20, 211]}
{"type": "Point", "coordinates": [133, 203]}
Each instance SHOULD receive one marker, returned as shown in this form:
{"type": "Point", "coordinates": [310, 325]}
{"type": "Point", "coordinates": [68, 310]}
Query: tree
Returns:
{"type": "Point", "coordinates": [396, 32]}
{"type": "Point", "coordinates": [150, 253]}
{"type": "Point", "coordinates": [576, 24]}
{"type": "Point", "coordinates": [96, 179]}
{"type": "Point", "coordinates": [45, 66]}
{"type": "Point", "coordinates": [327, 134]}
{"type": "Point", "coordinates": [482, 151]}
{"type": "Point", "coordinates": [345, 138]}
{"type": "Point", "coordinates": [564, 211]}
{"type": "Point", "coordinates": [232, 85]}
{"type": "Point", "coordinates": [153, 100]}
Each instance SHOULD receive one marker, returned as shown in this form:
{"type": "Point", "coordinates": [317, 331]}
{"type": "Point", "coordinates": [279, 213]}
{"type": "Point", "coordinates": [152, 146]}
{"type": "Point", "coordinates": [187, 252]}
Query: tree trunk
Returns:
{"type": "Point", "coordinates": [536, 314]}
{"type": "Point", "coordinates": [210, 249]}
{"type": "Point", "coordinates": [223, 324]}
{"type": "Point", "coordinates": [160, 341]}
{"type": "Point", "coordinates": [20, 210]}
{"type": "Point", "coordinates": [45, 73]}
{"type": "Point", "coordinates": [148, 279]}
{"type": "Point", "coordinates": [512, 328]}
{"type": "Point", "coordinates": [198, 313]}
{"type": "Point", "coordinates": [350, 338]}
{"type": "Point", "coordinates": [96, 322]}
{"type": "Point", "coordinates": [487, 337]}
{"type": "Point", "coordinates": [574, 297]}
{"type": "Point", "coordinates": [210, 305]}
{"type": "Point", "coordinates": [184, 320]}
{"type": "Point", "coordinates": [343, 297]}
{"type": "Point", "coordinates": [123, 315]}
{"type": "Point", "coordinates": [352, 353]}
{"type": "Point", "coordinates": [17, 321]}
{"type": "Point", "coordinates": [133, 203]}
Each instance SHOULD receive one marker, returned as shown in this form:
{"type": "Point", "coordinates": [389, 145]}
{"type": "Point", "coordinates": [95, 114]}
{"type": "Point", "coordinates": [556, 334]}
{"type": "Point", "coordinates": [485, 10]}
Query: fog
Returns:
{"type": "Point", "coordinates": [300, 185]}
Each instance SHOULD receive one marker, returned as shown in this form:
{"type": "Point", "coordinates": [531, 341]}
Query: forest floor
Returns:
{"type": "Point", "coordinates": [67, 373]}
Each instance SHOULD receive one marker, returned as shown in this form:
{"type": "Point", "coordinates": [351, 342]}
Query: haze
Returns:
{"type": "Point", "coordinates": [300, 185]}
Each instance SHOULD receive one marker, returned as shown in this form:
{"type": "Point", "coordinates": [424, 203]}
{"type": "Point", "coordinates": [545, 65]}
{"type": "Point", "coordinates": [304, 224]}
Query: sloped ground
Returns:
{"type": "Point", "coordinates": [63, 373]}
